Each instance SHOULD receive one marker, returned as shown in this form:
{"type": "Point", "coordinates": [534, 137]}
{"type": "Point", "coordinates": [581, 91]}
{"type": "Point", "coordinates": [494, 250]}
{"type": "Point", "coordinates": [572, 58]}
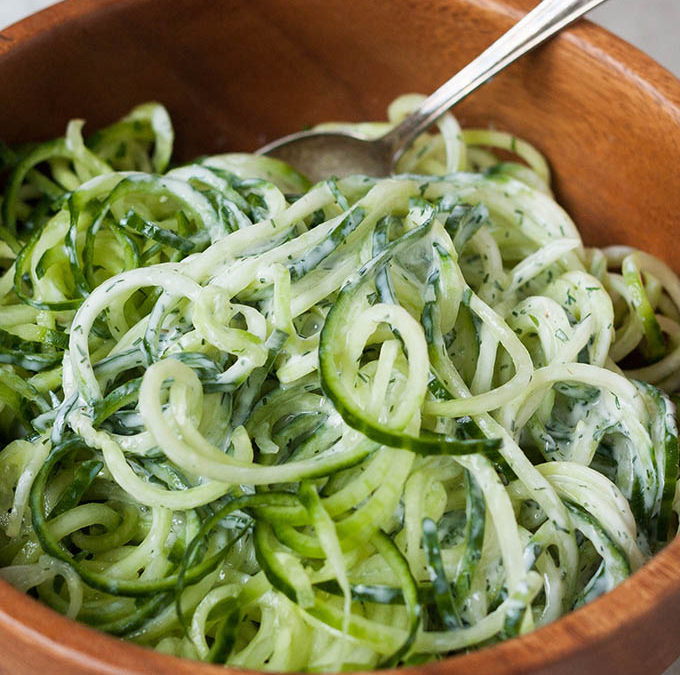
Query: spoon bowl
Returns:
{"type": "Point", "coordinates": [319, 154]}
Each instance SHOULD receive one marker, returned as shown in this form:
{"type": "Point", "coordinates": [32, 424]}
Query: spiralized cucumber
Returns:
{"type": "Point", "coordinates": [357, 424]}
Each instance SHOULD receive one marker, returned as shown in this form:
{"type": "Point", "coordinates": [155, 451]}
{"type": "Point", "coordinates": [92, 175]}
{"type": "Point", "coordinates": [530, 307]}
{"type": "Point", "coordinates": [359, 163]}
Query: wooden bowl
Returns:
{"type": "Point", "coordinates": [236, 73]}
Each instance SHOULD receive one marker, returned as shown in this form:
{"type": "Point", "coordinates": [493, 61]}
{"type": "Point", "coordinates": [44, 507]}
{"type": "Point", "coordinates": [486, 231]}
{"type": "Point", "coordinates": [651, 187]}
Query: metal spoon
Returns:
{"type": "Point", "coordinates": [320, 154]}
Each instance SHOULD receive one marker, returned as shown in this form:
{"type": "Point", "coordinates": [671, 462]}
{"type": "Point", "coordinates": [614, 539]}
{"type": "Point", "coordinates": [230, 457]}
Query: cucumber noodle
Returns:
{"type": "Point", "coordinates": [361, 423]}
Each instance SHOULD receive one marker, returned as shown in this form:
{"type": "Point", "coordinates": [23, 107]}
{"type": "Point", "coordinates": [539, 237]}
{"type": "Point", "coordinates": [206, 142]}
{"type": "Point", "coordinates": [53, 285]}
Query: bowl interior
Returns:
{"type": "Point", "coordinates": [236, 74]}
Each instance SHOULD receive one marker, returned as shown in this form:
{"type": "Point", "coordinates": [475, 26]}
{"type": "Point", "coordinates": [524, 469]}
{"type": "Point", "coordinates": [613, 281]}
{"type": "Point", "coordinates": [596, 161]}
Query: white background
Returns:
{"type": "Point", "coordinates": [651, 25]}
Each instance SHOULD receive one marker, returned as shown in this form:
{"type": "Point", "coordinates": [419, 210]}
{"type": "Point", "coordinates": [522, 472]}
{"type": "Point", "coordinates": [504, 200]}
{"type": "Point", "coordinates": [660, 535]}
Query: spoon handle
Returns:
{"type": "Point", "coordinates": [548, 17]}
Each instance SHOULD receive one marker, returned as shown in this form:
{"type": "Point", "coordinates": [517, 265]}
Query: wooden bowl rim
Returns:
{"type": "Point", "coordinates": [76, 644]}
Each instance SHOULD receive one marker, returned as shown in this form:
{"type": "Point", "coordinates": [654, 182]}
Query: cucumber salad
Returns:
{"type": "Point", "coordinates": [368, 422]}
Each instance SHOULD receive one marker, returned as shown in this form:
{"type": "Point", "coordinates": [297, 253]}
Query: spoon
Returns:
{"type": "Point", "coordinates": [320, 154]}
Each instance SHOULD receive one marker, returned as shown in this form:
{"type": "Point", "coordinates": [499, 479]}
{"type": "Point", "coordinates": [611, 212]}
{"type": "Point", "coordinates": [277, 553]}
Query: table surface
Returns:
{"type": "Point", "coordinates": [651, 26]}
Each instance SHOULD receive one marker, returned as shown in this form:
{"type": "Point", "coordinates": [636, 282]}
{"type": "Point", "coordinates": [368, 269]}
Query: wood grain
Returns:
{"type": "Point", "coordinates": [236, 73]}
